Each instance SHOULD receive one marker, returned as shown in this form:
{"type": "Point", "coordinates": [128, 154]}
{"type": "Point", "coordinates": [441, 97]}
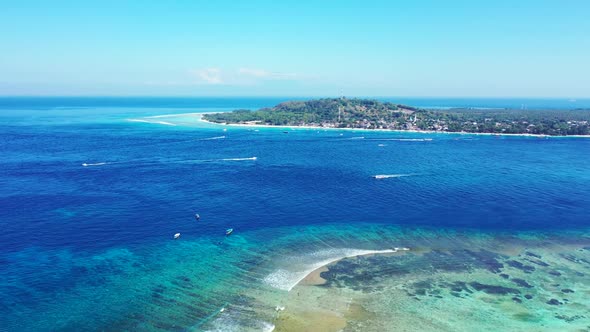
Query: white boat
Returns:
{"type": "Point", "coordinates": [176, 236]}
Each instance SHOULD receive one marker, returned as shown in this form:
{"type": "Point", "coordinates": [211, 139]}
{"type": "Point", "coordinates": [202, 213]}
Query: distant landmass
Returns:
{"type": "Point", "coordinates": [374, 114]}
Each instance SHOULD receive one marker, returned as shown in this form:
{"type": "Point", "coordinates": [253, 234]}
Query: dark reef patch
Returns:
{"type": "Point", "coordinates": [520, 266]}
{"type": "Point", "coordinates": [528, 253]}
{"type": "Point", "coordinates": [504, 275]}
{"type": "Point", "coordinates": [357, 273]}
{"type": "Point", "coordinates": [567, 290]}
{"type": "Point", "coordinates": [521, 283]}
{"type": "Point", "coordinates": [569, 319]}
{"type": "Point", "coordinates": [554, 302]}
{"type": "Point", "coordinates": [537, 262]}
{"type": "Point", "coordinates": [424, 287]}
{"type": "Point", "coordinates": [528, 296]}
{"type": "Point", "coordinates": [423, 284]}
{"type": "Point", "coordinates": [574, 259]}
{"type": "Point", "coordinates": [456, 287]}
{"type": "Point", "coordinates": [555, 273]}
{"type": "Point", "coordinates": [493, 289]}
{"type": "Point", "coordinates": [525, 317]}
{"type": "Point", "coordinates": [462, 260]}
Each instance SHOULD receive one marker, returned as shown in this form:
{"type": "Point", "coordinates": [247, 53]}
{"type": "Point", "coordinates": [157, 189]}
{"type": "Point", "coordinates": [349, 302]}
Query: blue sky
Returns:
{"type": "Point", "coordinates": [296, 48]}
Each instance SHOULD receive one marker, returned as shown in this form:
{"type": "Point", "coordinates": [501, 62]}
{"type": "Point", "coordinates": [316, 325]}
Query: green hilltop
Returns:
{"type": "Point", "coordinates": [374, 114]}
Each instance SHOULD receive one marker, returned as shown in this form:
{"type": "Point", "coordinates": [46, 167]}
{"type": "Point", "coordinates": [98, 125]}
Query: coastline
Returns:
{"type": "Point", "coordinates": [200, 118]}
{"type": "Point", "coordinates": [279, 281]}
{"type": "Point", "coordinates": [325, 315]}
{"type": "Point", "coordinates": [380, 293]}
{"type": "Point", "coordinates": [314, 277]}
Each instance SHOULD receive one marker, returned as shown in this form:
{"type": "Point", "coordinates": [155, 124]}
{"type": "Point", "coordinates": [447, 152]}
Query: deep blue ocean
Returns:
{"type": "Point", "coordinates": [90, 247]}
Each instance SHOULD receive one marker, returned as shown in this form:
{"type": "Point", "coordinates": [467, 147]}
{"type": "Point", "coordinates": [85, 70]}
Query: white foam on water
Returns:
{"type": "Point", "coordinates": [359, 137]}
{"type": "Point", "coordinates": [403, 139]}
{"type": "Point", "coordinates": [153, 162]}
{"type": "Point", "coordinates": [223, 323]}
{"type": "Point", "coordinates": [165, 123]}
{"type": "Point", "coordinates": [154, 122]}
{"type": "Point", "coordinates": [172, 115]}
{"type": "Point", "coordinates": [138, 120]}
{"type": "Point", "coordinates": [298, 267]}
{"type": "Point", "coordinates": [230, 322]}
{"type": "Point", "coordinates": [267, 327]}
{"type": "Point", "coordinates": [94, 164]}
{"type": "Point", "coordinates": [237, 159]}
{"type": "Point", "coordinates": [211, 138]}
{"type": "Point", "coordinates": [387, 176]}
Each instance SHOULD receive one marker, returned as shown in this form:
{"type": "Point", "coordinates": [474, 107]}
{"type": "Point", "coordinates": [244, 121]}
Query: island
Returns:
{"type": "Point", "coordinates": [356, 113]}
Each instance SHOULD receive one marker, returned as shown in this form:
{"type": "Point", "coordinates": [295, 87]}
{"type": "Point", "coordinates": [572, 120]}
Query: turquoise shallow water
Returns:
{"type": "Point", "coordinates": [90, 247]}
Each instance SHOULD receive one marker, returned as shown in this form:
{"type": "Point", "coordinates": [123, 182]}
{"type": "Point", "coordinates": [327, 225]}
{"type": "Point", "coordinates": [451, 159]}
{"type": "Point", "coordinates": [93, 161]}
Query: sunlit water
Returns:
{"type": "Point", "coordinates": [91, 197]}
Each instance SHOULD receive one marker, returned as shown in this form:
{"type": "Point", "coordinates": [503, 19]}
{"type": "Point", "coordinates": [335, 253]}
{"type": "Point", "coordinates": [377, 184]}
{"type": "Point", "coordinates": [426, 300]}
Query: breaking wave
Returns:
{"type": "Point", "coordinates": [297, 268]}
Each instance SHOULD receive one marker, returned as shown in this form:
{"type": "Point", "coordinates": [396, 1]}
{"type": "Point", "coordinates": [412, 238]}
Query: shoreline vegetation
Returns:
{"type": "Point", "coordinates": [366, 114]}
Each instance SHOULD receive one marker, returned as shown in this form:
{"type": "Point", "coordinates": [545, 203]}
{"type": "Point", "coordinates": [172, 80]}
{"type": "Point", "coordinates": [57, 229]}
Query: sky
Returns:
{"type": "Point", "coordinates": [419, 48]}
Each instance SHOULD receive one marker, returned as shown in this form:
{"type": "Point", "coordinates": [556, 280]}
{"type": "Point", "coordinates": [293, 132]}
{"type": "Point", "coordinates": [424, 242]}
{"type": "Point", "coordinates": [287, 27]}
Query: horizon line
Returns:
{"type": "Point", "coordinates": [572, 98]}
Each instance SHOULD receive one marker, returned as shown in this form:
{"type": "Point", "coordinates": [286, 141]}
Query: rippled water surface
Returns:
{"type": "Point", "coordinates": [90, 198]}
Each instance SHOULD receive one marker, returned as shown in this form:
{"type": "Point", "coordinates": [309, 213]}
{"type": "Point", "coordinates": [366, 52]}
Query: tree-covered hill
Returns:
{"type": "Point", "coordinates": [373, 114]}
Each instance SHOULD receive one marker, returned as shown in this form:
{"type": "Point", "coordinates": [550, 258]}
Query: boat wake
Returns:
{"type": "Point", "coordinates": [211, 138]}
{"type": "Point", "coordinates": [295, 269]}
{"type": "Point", "coordinates": [93, 164]}
{"type": "Point", "coordinates": [236, 159]}
{"type": "Point", "coordinates": [154, 162]}
{"type": "Point", "coordinates": [388, 176]}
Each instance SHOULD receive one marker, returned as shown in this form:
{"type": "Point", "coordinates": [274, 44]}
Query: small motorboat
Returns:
{"type": "Point", "coordinates": [229, 231]}
{"type": "Point", "coordinates": [197, 217]}
{"type": "Point", "coordinates": [176, 236]}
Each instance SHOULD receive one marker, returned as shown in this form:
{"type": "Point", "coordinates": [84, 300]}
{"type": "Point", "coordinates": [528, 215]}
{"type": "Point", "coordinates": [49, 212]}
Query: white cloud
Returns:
{"type": "Point", "coordinates": [241, 76]}
{"type": "Point", "coordinates": [210, 75]}
{"type": "Point", "coordinates": [264, 74]}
